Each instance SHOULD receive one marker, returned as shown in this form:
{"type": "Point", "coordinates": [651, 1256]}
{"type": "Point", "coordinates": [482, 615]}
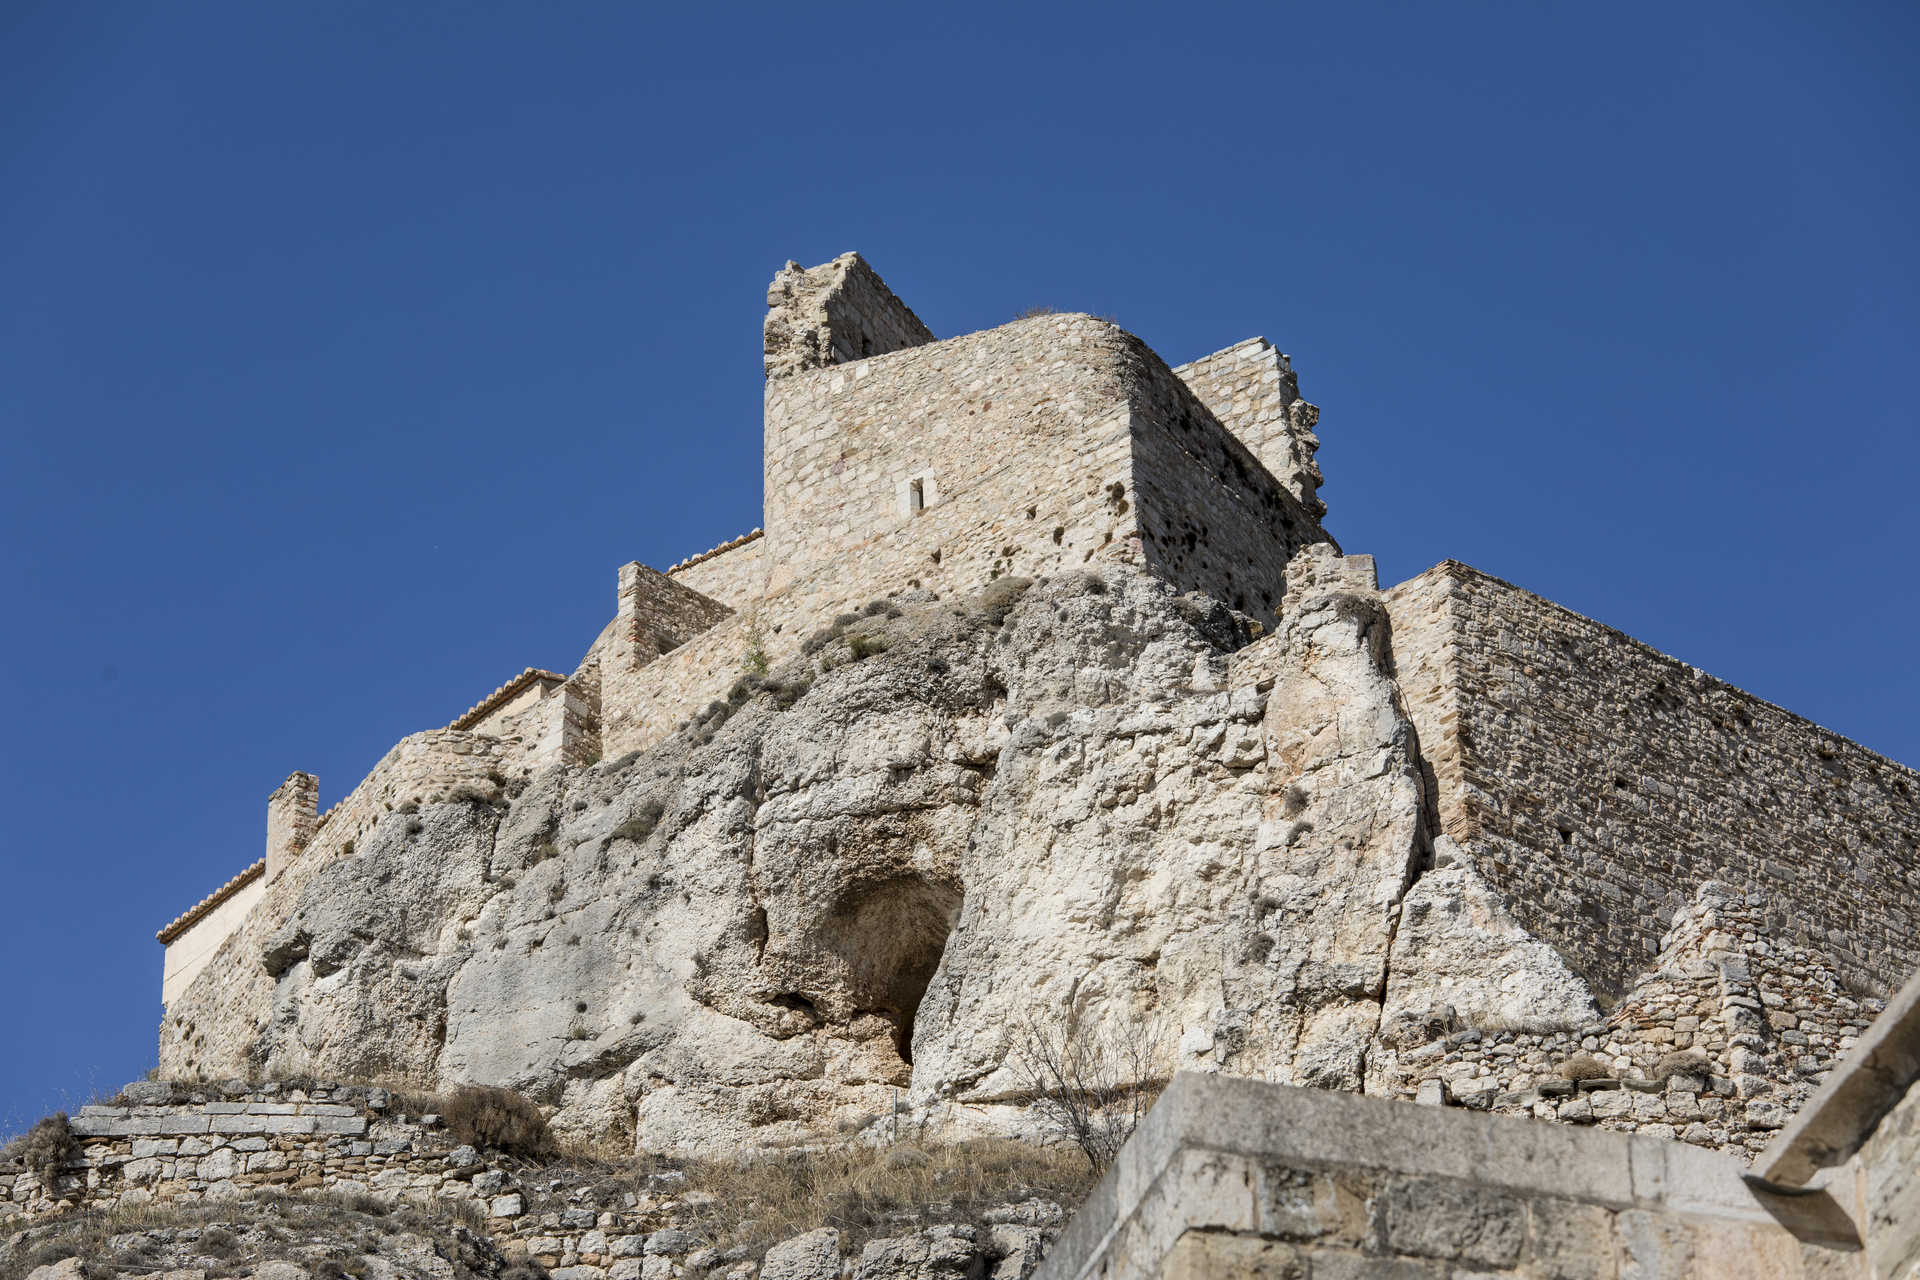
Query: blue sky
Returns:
{"type": "Point", "coordinates": [346, 349]}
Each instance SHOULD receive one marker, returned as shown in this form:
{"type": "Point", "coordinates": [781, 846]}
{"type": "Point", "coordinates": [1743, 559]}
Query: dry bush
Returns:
{"type": "Point", "coordinates": [483, 1116]}
{"type": "Point", "coordinates": [1683, 1062]}
{"type": "Point", "coordinates": [997, 601]}
{"type": "Point", "coordinates": [1584, 1066]}
{"type": "Point", "coordinates": [864, 1191]}
{"type": "Point", "coordinates": [1089, 1086]}
{"type": "Point", "coordinates": [45, 1148]}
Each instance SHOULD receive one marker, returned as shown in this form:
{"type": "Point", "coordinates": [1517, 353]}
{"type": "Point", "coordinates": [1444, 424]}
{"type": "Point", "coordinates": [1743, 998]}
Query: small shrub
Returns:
{"type": "Point", "coordinates": [1088, 1085]}
{"type": "Point", "coordinates": [1584, 1066]}
{"type": "Point", "coordinates": [755, 658]}
{"type": "Point", "coordinates": [1034, 313]}
{"type": "Point", "coordinates": [483, 1116]}
{"type": "Point", "coordinates": [469, 793]}
{"type": "Point", "coordinates": [543, 848]}
{"type": "Point", "coordinates": [46, 1147]}
{"type": "Point", "coordinates": [641, 824]}
{"type": "Point", "coordinates": [818, 641]}
{"type": "Point", "coordinates": [415, 826]}
{"type": "Point", "coordinates": [1684, 1062]}
{"type": "Point", "coordinates": [997, 601]}
{"type": "Point", "coordinates": [866, 646]}
{"type": "Point", "coordinates": [787, 692]}
{"type": "Point", "coordinates": [874, 608]}
{"type": "Point", "coordinates": [842, 621]}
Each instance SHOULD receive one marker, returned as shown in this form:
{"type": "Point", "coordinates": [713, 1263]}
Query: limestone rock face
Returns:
{"type": "Point", "coordinates": [849, 890]}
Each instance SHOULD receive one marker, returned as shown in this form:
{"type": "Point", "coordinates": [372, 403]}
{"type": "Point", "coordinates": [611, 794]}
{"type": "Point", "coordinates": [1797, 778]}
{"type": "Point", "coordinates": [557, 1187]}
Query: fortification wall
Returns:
{"type": "Point", "coordinates": [733, 573]}
{"type": "Point", "coordinates": [833, 313]}
{"type": "Point", "coordinates": [212, 1141]}
{"type": "Point", "coordinates": [188, 952]}
{"type": "Point", "coordinates": [1016, 438]}
{"type": "Point", "coordinates": [1252, 390]}
{"type": "Point", "coordinates": [1030, 449]}
{"type": "Point", "coordinates": [643, 705]}
{"type": "Point", "coordinates": [1598, 783]}
{"type": "Point", "coordinates": [1211, 517]}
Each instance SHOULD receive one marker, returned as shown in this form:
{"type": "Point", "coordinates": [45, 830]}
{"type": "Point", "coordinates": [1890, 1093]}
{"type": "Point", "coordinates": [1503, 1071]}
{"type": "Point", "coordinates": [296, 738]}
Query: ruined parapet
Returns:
{"type": "Point", "coordinates": [1597, 784]}
{"type": "Point", "coordinates": [657, 615]}
{"type": "Point", "coordinates": [293, 814]}
{"type": "Point", "coordinates": [833, 313]}
{"type": "Point", "coordinates": [1252, 389]}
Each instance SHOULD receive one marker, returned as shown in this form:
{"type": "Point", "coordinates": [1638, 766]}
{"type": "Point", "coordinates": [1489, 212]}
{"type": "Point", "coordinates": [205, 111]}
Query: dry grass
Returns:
{"type": "Point", "coordinates": [869, 1192]}
{"type": "Point", "coordinates": [483, 1116]}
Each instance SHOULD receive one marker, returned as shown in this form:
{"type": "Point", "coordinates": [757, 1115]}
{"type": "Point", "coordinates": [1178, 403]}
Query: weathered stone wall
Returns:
{"type": "Point", "coordinates": [734, 573]}
{"type": "Point", "coordinates": [1252, 390]}
{"type": "Point", "coordinates": [188, 951]}
{"type": "Point", "coordinates": [221, 1140]}
{"type": "Point", "coordinates": [833, 313]}
{"type": "Point", "coordinates": [1718, 1043]}
{"type": "Point", "coordinates": [292, 817]}
{"type": "Point", "coordinates": [1211, 518]}
{"type": "Point", "coordinates": [1598, 783]}
{"type": "Point", "coordinates": [1036, 447]}
{"type": "Point", "coordinates": [1231, 1179]}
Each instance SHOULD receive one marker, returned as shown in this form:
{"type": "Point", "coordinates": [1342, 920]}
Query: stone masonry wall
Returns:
{"type": "Point", "coordinates": [734, 573]}
{"type": "Point", "coordinates": [833, 313]}
{"type": "Point", "coordinates": [1211, 518]}
{"type": "Point", "coordinates": [1717, 1044]}
{"type": "Point", "coordinates": [1598, 783]}
{"type": "Point", "coordinates": [1252, 390]}
{"type": "Point", "coordinates": [1037, 447]}
{"type": "Point", "coordinates": [1017, 436]}
{"type": "Point", "coordinates": [1230, 1179]}
{"type": "Point", "coordinates": [220, 1140]}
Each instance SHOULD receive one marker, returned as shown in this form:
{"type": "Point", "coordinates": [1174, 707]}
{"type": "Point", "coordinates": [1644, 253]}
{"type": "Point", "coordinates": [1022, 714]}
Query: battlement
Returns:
{"type": "Point", "coordinates": [834, 313]}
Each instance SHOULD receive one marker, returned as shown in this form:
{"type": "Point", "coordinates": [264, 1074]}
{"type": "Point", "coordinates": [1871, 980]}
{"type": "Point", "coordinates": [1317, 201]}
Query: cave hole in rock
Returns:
{"type": "Point", "coordinates": [891, 936]}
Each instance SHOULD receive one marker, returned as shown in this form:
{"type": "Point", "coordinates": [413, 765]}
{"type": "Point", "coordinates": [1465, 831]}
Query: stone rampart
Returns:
{"type": "Point", "coordinates": [1026, 450]}
{"type": "Point", "coordinates": [221, 1140]}
{"type": "Point", "coordinates": [1252, 390]}
{"type": "Point", "coordinates": [733, 573]}
{"type": "Point", "coordinates": [833, 313]}
{"type": "Point", "coordinates": [1597, 783]}
{"type": "Point", "coordinates": [1232, 1178]}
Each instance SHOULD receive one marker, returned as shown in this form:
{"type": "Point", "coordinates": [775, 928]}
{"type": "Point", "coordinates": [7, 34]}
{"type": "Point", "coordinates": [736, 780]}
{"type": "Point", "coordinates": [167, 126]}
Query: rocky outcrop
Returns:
{"type": "Point", "coordinates": [843, 893]}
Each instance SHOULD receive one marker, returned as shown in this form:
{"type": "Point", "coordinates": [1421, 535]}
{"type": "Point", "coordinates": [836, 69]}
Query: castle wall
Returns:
{"type": "Point", "coordinates": [1211, 517]}
{"type": "Point", "coordinates": [642, 705]}
{"type": "Point", "coordinates": [1016, 437]}
{"type": "Point", "coordinates": [733, 573]}
{"type": "Point", "coordinates": [188, 952]}
{"type": "Point", "coordinates": [833, 313]}
{"type": "Point", "coordinates": [1231, 1179]}
{"type": "Point", "coordinates": [1252, 390]}
{"type": "Point", "coordinates": [1598, 783]}
{"type": "Point", "coordinates": [1041, 446]}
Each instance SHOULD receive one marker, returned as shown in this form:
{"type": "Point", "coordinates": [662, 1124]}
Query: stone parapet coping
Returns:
{"type": "Point", "coordinates": [741, 541]}
{"type": "Point", "coordinates": [479, 710]}
{"type": "Point", "coordinates": [1862, 1088]}
{"type": "Point", "coordinates": [1319, 1128]}
{"type": "Point", "coordinates": [193, 915]}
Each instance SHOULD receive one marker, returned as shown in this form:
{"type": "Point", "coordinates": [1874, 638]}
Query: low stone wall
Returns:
{"type": "Point", "coordinates": [236, 1140]}
{"type": "Point", "coordinates": [1231, 1178]}
{"type": "Point", "coordinates": [1718, 1044]}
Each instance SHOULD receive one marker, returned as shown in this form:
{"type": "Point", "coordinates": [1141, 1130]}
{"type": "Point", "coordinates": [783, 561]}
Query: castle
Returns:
{"type": "Point", "coordinates": [1581, 843]}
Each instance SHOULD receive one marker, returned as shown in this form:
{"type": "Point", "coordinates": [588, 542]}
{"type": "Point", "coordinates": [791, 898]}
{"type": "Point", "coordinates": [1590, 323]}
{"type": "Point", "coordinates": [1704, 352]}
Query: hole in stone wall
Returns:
{"type": "Point", "coordinates": [891, 937]}
{"type": "Point", "coordinates": [917, 496]}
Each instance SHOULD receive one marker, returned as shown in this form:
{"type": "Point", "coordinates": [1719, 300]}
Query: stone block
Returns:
{"type": "Point", "coordinates": [1432, 1218]}
{"type": "Point", "coordinates": [813, 1256]}
{"type": "Point", "coordinates": [1219, 1255]}
{"type": "Point", "coordinates": [1567, 1240]}
{"type": "Point", "coordinates": [507, 1206]}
